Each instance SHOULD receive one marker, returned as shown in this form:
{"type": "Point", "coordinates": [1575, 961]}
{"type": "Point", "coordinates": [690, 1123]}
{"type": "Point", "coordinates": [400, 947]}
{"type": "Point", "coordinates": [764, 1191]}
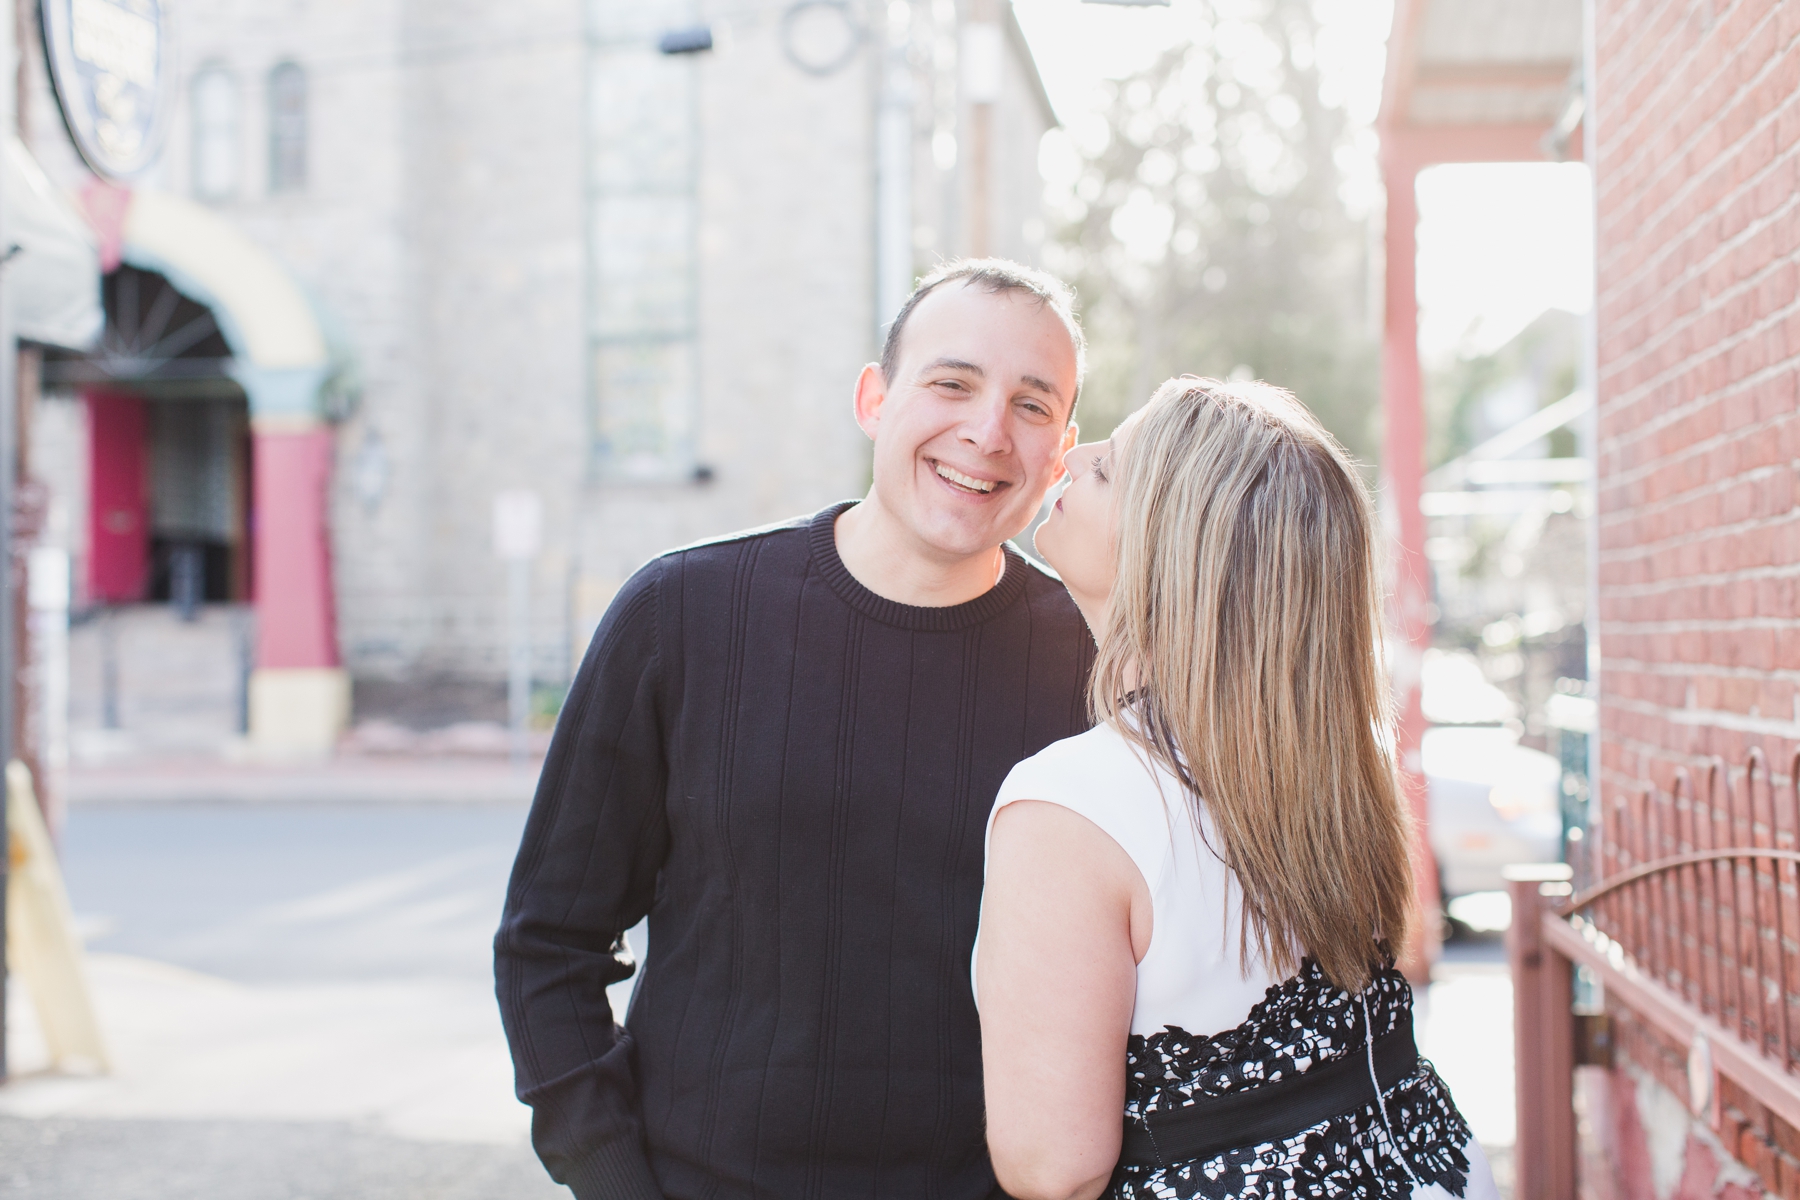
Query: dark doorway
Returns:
{"type": "Point", "coordinates": [170, 449]}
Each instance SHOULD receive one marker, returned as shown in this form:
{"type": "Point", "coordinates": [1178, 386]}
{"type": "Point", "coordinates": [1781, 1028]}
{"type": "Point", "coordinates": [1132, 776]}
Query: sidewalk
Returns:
{"type": "Point", "coordinates": [336, 1092]}
{"type": "Point", "coordinates": [1465, 1029]}
{"type": "Point", "coordinates": [297, 1000]}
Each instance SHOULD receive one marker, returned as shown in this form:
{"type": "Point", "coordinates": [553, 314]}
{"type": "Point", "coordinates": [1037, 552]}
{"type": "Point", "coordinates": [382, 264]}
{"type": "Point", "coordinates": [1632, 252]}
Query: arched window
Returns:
{"type": "Point", "coordinates": [287, 128]}
{"type": "Point", "coordinates": [215, 151]}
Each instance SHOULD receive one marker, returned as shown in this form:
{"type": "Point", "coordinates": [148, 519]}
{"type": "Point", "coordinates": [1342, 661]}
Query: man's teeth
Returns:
{"type": "Point", "coordinates": [957, 477]}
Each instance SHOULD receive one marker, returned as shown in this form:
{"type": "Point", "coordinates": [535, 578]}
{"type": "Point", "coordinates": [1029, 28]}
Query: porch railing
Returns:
{"type": "Point", "coordinates": [1684, 913]}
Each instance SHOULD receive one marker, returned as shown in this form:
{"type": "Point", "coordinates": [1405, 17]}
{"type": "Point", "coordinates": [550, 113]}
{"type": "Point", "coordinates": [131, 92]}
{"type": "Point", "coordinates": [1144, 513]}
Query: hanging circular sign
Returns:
{"type": "Point", "coordinates": [109, 66]}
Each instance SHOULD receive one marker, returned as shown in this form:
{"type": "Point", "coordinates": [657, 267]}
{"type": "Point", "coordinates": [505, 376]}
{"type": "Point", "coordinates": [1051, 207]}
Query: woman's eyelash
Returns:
{"type": "Point", "coordinates": [1100, 469]}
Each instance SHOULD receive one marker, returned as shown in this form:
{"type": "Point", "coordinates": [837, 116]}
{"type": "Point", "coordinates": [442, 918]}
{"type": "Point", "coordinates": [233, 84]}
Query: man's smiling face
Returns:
{"type": "Point", "coordinates": [970, 431]}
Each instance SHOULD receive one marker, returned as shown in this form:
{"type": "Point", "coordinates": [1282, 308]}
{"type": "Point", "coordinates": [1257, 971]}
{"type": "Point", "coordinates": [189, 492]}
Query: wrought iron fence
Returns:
{"type": "Point", "coordinates": [1685, 908]}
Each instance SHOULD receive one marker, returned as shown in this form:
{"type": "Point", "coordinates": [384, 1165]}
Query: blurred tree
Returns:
{"type": "Point", "coordinates": [1204, 223]}
{"type": "Point", "coordinates": [1467, 398]}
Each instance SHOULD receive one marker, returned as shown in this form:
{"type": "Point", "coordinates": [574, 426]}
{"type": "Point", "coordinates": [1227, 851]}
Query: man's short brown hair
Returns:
{"type": "Point", "coordinates": [994, 275]}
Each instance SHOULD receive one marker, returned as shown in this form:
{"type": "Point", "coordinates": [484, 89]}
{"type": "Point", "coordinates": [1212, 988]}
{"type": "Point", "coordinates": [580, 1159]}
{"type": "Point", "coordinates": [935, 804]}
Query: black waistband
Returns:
{"type": "Point", "coordinates": [1272, 1111]}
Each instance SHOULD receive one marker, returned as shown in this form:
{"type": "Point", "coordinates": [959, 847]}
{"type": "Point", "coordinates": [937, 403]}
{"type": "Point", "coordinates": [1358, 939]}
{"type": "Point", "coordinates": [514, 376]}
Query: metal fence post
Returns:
{"type": "Point", "coordinates": [1543, 1039]}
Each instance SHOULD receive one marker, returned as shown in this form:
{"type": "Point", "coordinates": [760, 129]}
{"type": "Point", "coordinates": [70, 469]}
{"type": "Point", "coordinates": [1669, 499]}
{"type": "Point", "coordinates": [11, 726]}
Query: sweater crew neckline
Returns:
{"type": "Point", "coordinates": [822, 539]}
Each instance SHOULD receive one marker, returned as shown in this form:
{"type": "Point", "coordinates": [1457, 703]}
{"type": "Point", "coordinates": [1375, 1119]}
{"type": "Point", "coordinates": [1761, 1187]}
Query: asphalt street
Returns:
{"type": "Point", "coordinates": [289, 894]}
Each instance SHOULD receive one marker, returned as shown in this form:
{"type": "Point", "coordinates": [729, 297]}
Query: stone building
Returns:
{"type": "Point", "coordinates": [626, 256]}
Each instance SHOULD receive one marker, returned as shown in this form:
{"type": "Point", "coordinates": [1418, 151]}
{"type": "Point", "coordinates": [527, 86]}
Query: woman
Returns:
{"type": "Point", "coordinates": [1190, 909]}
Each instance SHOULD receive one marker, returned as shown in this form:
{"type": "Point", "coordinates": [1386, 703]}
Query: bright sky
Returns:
{"type": "Point", "coordinates": [1498, 243]}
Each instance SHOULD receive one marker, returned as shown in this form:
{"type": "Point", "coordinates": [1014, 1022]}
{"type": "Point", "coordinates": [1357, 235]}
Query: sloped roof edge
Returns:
{"type": "Point", "coordinates": [1016, 35]}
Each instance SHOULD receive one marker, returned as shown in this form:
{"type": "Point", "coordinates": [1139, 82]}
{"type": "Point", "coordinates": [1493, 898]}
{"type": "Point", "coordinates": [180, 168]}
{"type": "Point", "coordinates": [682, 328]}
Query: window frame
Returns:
{"type": "Point", "coordinates": [290, 133]}
{"type": "Point", "coordinates": [203, 129]}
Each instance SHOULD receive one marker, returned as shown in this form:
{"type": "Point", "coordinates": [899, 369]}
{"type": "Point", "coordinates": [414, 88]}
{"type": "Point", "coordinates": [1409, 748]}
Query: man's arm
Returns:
{"type": "Point", "coordinates": [586, 872]}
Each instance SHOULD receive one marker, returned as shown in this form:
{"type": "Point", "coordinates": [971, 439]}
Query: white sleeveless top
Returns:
{"type": "Point", "coordinates": [1192, 977]}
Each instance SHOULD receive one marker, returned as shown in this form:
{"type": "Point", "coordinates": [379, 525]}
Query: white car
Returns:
{"type": "Point", "coordinates": [1492, 802]}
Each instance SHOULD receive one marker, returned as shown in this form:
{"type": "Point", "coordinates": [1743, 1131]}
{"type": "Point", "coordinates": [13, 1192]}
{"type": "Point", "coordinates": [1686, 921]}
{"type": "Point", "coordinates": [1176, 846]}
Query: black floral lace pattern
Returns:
{"type": "Point", "coordinates": [1300, 1023]}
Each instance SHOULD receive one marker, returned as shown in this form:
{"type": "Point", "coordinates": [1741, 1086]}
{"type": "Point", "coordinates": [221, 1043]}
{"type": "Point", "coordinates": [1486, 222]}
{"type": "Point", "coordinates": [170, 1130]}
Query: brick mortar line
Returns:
{"type": "Point", "coordinates": [1635, 31]}
{"type": "Point", "coordinates": [1673, 416]}
{"type": "Point", "coordinates": [1645, 708]}
{"type": "Point", "coordinates": [1634, 50]}
{"type": "Point", "coordinates": [1715, 579]}
{"type": "Point", "coordinates": [1646, 265]}
{"type": "Point", "coordinates": [1671, 760]}
{"type": "Point", "coordinates": [1660, 669]}
{"type": "Point", "coordinates": [1675, 413]}
{"type": "Point", "coordinates": [1710, 305]}
{"type": "Point", "coordinates": [1643, 266]}
{"type": "Point", "coordinates": [1697, 763]}
{"type": "Point", "coordinates": [1626, 477]}
{"type": "Point", "coordinates": [1699, 625]}
{"type": "Point", "coordinates": [1670, 163]}
{"type": "Point", "coordinates": [1625, 554]}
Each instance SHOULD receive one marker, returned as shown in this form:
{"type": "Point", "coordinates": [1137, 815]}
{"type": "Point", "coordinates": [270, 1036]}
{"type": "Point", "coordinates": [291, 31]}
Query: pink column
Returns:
{"type": "Point", "coordinates": [1403, 469]}
{"type": "Point", "coordinates": [296, 616]}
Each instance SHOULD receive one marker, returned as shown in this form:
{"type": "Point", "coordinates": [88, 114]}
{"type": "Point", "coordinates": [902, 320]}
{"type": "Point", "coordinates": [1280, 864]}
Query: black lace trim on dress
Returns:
{"type": "Point", "coordinates": [1302, 1022]}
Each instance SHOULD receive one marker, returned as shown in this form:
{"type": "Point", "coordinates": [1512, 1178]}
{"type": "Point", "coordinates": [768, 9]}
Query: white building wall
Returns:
{"type": "Point", "coordinates": [786, 311]}
{"type": "Point", "coordinates": [443, 227]}
{"type": "Point", "coordinates": [495, 222]}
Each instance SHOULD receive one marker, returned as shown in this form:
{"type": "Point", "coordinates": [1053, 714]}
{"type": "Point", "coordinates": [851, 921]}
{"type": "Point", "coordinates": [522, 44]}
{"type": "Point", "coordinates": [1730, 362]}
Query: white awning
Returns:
{"type": "Point", "coordinates": [53, 282]}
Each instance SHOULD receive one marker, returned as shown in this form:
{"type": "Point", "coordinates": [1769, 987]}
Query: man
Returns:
{"type": "Point", "coordinates": [783, 746]}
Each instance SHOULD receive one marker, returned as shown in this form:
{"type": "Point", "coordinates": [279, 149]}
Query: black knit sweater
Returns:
{"type": "Point", "coordinates": [791, 776]}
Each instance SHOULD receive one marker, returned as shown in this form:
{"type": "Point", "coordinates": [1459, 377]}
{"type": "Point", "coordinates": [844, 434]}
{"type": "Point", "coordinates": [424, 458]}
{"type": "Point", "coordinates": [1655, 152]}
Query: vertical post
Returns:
{"type": "Point", "coordinates": [1590, 380]}
{"type": "Point", "coordinates": [983, 63]}
{"type": "Point", "coordinates": [518, 536]}
{"type": "Point", "coordinates": [518, 673]}
{"type": "Point", "coordinates": [48, 587]}
{"type": "Point", "coordinates": [893, 177]}
{"type": "Point", "coordinates": [1403, 475]}
{"type": "Point", "coordinates": [1543, 1039]}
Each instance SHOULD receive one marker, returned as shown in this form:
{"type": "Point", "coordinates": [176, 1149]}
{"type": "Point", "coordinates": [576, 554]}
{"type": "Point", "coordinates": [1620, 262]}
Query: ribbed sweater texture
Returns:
{"type": "Point", "coordinates": [791, 776]}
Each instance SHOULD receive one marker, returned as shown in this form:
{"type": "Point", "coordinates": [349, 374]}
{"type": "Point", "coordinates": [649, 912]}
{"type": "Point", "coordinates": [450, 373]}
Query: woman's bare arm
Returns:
{"type": "Point", "coordinates": [1065, 918]}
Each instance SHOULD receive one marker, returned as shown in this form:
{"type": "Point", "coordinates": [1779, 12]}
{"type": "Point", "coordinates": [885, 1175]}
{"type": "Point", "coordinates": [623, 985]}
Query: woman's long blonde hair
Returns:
{"type": "Point", "coordinates": [1242, 650]}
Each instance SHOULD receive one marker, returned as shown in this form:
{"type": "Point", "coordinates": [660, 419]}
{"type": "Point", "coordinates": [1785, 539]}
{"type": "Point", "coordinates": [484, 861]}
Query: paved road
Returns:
{"type": "Point", "coordinates": [299, 1001]}
{"type": "Point", "coordinates": [295, 894]}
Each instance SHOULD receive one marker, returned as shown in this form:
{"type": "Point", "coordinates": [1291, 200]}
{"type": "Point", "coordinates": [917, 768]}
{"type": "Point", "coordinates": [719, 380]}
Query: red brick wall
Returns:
{"type": "Point", "coordinates": [1698, 176]}
{"type": "Point", "coordinates": [1697, 138]}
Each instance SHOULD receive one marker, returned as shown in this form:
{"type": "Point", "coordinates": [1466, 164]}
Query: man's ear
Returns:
{"type": "Point", "coordinates": [871, 394]}
{"type": "Point", "coordinates": [1071, 436]}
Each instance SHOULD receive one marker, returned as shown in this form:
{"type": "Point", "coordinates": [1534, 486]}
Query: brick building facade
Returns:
{"type": "Point", "coordinates": [1697, 160]}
